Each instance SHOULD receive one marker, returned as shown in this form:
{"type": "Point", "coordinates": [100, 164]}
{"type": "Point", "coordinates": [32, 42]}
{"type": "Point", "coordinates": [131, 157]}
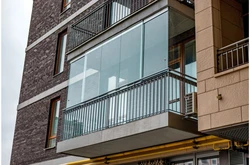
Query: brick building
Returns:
{"type": "Point", "coordinates": [135, 82]}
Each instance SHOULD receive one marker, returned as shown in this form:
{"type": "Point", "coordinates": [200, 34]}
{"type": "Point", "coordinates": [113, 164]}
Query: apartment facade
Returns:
{"type": "Point", "coordinates": [135, 82]}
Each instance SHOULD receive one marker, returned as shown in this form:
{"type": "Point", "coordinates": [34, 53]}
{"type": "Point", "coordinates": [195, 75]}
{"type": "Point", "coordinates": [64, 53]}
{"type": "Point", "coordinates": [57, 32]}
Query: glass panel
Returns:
{"type": "Point", "coordinates": [110, 65]}
{"type": "Point", "coordinates": [156, 44]}
{"type": "Point", "coordinates": [55, 110]}
{"type": "Point", "coordinates": [174, 58]}
{"type": "Point", "coordinates": [92, 74]}
{"type": "Point", "coordinates": [178, 24]}
{"type": "Point", "coordinates": [208, 161]}
{"type": "Point", "coordinates": [67, 1]}
{"type": "Point", "coordinates": [75, 88]}
{"type": "Point", "coordinates": [52, 142]}
{"type": "Point", "coordinates": [130, 56]}
{"type": "Point", "coordinates": [62, 53]}
{"type": "Point", "coordinates": [190, 59]}
{"type": "Point", "coordinates": [66, 4]}
{"type": "Point", "coordinates": [174, 89]}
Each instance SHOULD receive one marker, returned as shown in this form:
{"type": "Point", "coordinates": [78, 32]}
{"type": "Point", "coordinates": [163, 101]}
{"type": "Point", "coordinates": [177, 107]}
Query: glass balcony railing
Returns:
{"type": "Point", "coordinates": [100, 19]}
{"type": "Point", "coordinates": [161, 92]}
{"type": "Point", "coordinates": [233, 55]}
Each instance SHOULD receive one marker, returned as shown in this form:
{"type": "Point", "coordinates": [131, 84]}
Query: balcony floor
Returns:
{"type": "Point", "coordinates": [159, 129]}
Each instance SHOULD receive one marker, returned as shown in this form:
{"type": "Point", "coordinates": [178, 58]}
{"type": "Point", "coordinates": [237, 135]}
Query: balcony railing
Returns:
{"type": "Point", "coordinates": [102, 18]}
{"type": "Point", "coordinates": [233, 55]}
{"type": "Point", "coordinates": [147, 97]}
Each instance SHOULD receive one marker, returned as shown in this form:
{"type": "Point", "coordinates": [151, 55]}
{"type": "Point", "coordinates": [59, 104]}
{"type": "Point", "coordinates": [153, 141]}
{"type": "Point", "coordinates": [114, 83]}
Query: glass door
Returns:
{"type": "Point", "coordinates": [174, 63]}
{"type": "Point", "coordinates": [182, 58]}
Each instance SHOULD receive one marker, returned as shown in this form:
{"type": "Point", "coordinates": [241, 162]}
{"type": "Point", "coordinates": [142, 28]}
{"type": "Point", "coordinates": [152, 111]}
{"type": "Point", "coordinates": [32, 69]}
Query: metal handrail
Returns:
{"type": "Point", "coordinates": [152, 95]}
{"type": "Point", "coordinates": [193, 81]}
{"type": "Point", "coordinates": [233, 55]}
{"type": "Point", "coordinates": [233, 44]}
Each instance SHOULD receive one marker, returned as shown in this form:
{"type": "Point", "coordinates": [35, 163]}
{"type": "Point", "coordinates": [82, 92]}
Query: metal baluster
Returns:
{"type": "Point", "coordinates": [243, 58]}
{"type": "Point", "coordinates": [232, 60]}
{"type": "Point", "coordinates": [95, 115]}
{"type": "Point", "coordinates": [227, 60]}
{"type": "Point", "coordinates": [136, 103]}
{"type": "Point", "coordinates": [88, 118]}
{"type": "Point", "coordinates": [150, 97]}
{"type": "Point", "coordinates": [116, 109]}
{"type": "Point", "coordinates": [142, 100]}
{"type": "Point", "coordinates": [147, 98]}
{"type": "Point", "coordinates": [237, 53]}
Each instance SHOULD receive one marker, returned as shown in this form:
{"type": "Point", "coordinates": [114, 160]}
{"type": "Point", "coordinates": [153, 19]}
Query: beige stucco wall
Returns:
{"type": "Point", "coordinates": [216, 25]}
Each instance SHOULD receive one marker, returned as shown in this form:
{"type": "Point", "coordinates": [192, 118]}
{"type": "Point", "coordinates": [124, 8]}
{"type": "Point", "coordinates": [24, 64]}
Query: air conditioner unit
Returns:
{"type": "Point", "coordinates": [191, 104]}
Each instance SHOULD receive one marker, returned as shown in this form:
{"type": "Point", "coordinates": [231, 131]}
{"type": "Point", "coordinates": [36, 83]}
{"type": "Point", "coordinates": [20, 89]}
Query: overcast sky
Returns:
{"type": "Point", "coordinates": [16, 16]}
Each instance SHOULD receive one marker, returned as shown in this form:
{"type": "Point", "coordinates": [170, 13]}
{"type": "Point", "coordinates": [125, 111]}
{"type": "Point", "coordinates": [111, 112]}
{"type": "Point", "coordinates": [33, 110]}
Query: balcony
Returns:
{"type": "Point", "coordinates": [102, 18]}
{"type": "Point", "coordinates": [107, 15]}
{"type": "Point", "coordinates": [233, 55]}
{"type": "Point", "coordinates": [118, 120]}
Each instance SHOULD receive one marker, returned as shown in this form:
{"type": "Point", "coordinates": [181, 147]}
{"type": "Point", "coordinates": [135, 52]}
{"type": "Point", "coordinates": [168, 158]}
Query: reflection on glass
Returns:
{"type": "Point", "coordinates": [55, 118]}
{"type": "Point", "coordinates": [156, 44]}
{"type": "Point", "coordinates": [174, 58]}
{"type": "Point", "coordinates": [92, 74]}
{"type": "Point", "coordinates": [130, 56]}
{"type": "Point", "coordinates": [190, 59]}
{"type": "Point", "coordinates": [190, 64]}
{"type": "Point", "coordinates": [52, 142]}
{"type": "Point", "coordinates": [209, 161]}
{"type": "Point", "coordinates": [75, 88]}
{"type": "Point", "coordinates": [75, 93]}
{"type": "Point", "coordinates": [110, 65]}
{"type": "Point", "coordinates": [179, 23]}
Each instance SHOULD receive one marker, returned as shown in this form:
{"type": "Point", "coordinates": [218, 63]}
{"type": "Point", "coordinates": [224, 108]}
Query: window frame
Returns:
{"type": "Point", "coordinates": [58, 52]}
{"type": "Point", "coordinates": [65, 6]}
{"type": "Point", "coordinates": [50, 122]}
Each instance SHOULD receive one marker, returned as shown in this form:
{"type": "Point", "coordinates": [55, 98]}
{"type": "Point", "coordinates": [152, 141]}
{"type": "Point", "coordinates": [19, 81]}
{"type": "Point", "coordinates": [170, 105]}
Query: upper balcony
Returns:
{"type": "Point", "coordinates": [233, 55]}
{"type": "Point", "coordinates": [133, 84]}
{"type": "Point", "coordinates": [106, 16]}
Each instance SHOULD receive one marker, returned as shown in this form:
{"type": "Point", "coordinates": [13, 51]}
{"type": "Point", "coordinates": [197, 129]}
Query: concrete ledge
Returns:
{"type": "Point", "coordinates": [43, 95]}
{"type": "Point", "coordinates": [134, 135]}
{"type": "Point", "coordinates": [231, 70]}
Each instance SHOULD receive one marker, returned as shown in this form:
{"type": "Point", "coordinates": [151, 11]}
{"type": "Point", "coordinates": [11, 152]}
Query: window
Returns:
{"type": "Point", "coordinates": [53, 122]}
{"type": "Point", "coordinates": [61, 49]}
{"type": "Point", "coordinates": [66, 4]}
{"type": "Point", "coordinates": [190, 162]}
{"type": "Point", "coordinates": [208, 161]}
